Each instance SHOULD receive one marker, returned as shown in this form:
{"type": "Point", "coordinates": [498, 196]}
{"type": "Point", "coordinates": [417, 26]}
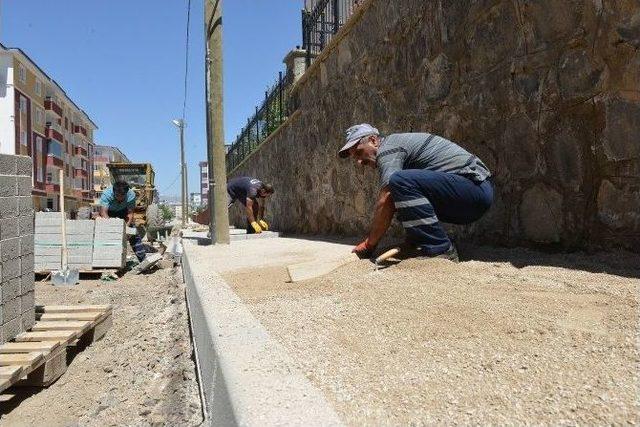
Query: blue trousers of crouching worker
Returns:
{"type": "Point", "coordinates": [424, 198]}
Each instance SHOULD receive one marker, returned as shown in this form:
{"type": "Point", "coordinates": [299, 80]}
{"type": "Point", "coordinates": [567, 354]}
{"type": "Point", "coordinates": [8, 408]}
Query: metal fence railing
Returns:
{"type": "Point", "coordinates": [321, 19]}
{"type": "Point", "coordinates": [273, 111]}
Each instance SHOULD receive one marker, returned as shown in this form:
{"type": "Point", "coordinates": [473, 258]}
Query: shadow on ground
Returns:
{"type": "Point", "coordinates": [618, 262]}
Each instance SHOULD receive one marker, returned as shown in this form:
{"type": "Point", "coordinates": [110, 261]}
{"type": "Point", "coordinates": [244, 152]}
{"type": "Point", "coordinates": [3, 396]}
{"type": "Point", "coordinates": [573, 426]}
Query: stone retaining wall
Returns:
{"type": "Point", "coordinates": [17, 302]}
{"type": "Point", "coordinates": [546, 93]}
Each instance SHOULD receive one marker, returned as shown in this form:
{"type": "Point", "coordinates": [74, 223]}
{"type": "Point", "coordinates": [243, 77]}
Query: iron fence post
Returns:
{"type": "Point", "coordinates": [257, 127]}
{"type": "Point", "coordinates": [280, 97]}
{"type": "Point", "coordinates": [266, 113]}
{"type": "Point", "coordinates": [336, 17]}
{"type": "Point", "coordinates": [306, 29]}
{"type": "Point", "coordinates": [323, 23]}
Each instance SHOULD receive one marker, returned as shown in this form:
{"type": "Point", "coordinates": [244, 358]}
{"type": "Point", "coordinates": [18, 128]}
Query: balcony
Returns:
{"type": "Point", "coordinates": [52, 133]}
{"type": "Point", "coordinates": [52, 188]}
{"type": "Point", "coordinates": [51, 104]}
{"type": "Point", "coordinates": [54, 161]}
{"type": "Point", "coordinates": [80, 130]}
{"type": "Point", "coordinates": [80, 142]}
{"type": "Point", "coordinates": [80, 173]}
{"type": "Point", "coordinates": [76, 162]}
{"type": "Point", "coordinates": [79, 151]}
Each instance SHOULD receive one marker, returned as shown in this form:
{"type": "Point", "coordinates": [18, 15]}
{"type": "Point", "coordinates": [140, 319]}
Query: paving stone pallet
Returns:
{"type": "Point", "coordinates": [90, 244]}
{"type": "Point", "coordinates": [39, 357]}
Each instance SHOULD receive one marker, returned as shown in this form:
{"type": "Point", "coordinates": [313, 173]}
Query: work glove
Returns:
{"type": "Point", "coordinates": [256, 227]}
{"type": "Point", "coordinates": [364, 249]}
{"type": "Point", "coordinates": [264, 224]}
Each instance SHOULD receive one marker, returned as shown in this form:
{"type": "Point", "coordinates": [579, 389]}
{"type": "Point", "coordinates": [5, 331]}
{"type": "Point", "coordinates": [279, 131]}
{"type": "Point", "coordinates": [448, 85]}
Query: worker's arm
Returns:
{"type": "Point", "coordinates": [104, 212]}
{"type": "Point", "coordinates": [261, 220]}
{"type": "Point", "coordinates": [251, 217]}
{"type": "Point", "coordinates": [129, 217]}
{"type": "Point", "coordinates": [382, 216]}
{"type": "Point", "coordinates": [249, 209]}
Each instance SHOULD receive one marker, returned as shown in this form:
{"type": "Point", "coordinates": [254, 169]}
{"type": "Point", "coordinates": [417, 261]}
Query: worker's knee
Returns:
{"type": "Point", "coordinates": [400, 180]}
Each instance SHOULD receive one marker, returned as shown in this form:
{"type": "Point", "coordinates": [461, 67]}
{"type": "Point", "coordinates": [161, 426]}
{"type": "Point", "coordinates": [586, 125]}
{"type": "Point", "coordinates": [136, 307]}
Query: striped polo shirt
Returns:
{"type": "Point", "coordinates": [427, 151]}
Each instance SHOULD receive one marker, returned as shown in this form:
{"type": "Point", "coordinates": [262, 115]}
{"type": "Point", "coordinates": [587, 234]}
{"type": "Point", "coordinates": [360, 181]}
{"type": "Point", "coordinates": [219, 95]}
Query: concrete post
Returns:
{"type": "Point", "coordinates": [296, 62]}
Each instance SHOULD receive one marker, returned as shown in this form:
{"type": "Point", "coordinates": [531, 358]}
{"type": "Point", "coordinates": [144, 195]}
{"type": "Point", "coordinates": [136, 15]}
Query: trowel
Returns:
{"type": "Point", "coordinates": [65, 276]}
{"type": "Point", "coordinates": [385, 256]}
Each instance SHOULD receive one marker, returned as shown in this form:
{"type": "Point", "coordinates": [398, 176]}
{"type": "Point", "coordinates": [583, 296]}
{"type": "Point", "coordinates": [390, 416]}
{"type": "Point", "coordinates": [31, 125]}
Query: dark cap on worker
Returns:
{"type": "Point", "coordinates": [355, 134]}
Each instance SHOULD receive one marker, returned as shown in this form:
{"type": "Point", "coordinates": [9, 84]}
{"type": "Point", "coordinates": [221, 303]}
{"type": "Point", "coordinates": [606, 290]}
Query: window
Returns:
{"type": "Point", "coordinates": [39, 168]}
{"type": "Point", "coordinates": [49, 201]}
{"type": "Point", "coordinates": [23, 137]}
{"type": "Point", "coordinates": [38, 87]}
{"type": "Point", "coordinates": [39, 116]}
{"type": "Point", "coordinates": [54, 149]}
{"type": "Point", "coordinates": [22, 74]}
{"type": "Point", "coordinates": [23, 104]}
{"type": "Point", "coordinates": [49, 178]}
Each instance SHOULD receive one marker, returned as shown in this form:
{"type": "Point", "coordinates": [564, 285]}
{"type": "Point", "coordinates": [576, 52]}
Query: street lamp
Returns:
{"type": "Point", "coordinates": [180, 124]}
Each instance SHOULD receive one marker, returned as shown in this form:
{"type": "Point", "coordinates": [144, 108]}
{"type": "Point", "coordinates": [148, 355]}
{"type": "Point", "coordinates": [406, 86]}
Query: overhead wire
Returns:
{"type": "Point", "coordinates": [186, 61]}
{"type": "Point", "coordinates": [172, 184]}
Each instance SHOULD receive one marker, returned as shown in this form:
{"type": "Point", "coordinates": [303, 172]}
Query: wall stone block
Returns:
{"type": "Point", "coordinates": [541, 214]}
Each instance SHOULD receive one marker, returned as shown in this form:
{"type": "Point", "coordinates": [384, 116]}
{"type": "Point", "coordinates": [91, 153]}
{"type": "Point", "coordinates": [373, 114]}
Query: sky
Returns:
{"type": "Point", "coordinates": [123, 63]}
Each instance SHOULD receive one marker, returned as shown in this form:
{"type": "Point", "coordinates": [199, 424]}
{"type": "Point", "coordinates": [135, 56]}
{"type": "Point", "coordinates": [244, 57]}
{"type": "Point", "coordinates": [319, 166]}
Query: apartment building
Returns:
{"type": "Point", "coordinates": [39, 120]}
{"type": "Point", "coordinates": [103, 155]}
{"type": "Point", "coordinates": [204, 183]}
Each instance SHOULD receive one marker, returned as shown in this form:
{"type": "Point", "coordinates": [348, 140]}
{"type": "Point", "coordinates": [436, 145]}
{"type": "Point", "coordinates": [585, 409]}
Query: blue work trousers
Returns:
{"type": "Point", "coordinates": [424, 198]}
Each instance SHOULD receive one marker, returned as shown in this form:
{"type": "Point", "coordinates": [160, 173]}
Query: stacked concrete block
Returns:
{"type": "Point", "coordinates": [80, 243]}
{"type": "Point", "coordinates": [17, 306]}
{"type": "Point", "coordinates": [48, 242]}
{"type": "Point", "coordinates": [110, 244]}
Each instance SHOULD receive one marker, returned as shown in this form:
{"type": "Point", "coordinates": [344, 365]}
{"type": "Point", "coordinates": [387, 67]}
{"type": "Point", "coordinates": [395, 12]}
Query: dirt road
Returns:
{"type": "Point", "coordinates": [140, 373]}
{"type": "Point", "coordinates": [507, 336]}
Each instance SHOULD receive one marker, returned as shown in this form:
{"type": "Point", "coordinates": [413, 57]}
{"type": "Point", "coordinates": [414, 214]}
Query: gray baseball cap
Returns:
{"type": "Point", "coordinates": [355, 134]}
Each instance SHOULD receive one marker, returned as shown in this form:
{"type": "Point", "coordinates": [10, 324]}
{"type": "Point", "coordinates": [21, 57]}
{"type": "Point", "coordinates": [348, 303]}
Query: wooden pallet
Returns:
{"type": "Point", "coordinates": [39, 357]}
{"type": "Point", "coordinates": [95, 271]}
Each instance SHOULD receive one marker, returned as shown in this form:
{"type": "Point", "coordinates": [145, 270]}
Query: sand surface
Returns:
{"type": "Point", "coordinates": [141, 373]}
{"type": "Point", "coordinates": [507, 336]}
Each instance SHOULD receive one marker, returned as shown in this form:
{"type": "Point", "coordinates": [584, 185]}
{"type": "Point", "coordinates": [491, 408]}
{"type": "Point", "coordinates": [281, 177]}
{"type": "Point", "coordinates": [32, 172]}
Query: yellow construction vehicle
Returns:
{"type": "Point", "coordinates": [140, 177]}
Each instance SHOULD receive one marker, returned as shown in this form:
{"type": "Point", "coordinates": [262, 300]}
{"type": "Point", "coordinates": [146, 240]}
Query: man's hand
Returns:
{"type": "Point", "coordinates": [264, 224]}
{"type": "Point", "coordinates": [256, 227]}
{"type": "Point", "coordinates": [364, 249]}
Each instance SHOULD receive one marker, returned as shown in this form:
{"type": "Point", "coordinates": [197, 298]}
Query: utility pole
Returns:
{"type": "Point", "coordinates": [218, 209]}
{"type": "Point", "coordinates": [183, 172]}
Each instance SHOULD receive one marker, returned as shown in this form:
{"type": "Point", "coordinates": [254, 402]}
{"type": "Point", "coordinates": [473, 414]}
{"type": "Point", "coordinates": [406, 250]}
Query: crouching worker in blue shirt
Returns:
{"type": "Point", "coordinates": [119, 201]}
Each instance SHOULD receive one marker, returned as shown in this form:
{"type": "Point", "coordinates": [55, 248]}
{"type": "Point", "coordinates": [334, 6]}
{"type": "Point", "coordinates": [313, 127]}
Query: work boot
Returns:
{"type": "Point", "coordinates": [411, 251]}
{"type": "Point", "coordinates": [451, 254]}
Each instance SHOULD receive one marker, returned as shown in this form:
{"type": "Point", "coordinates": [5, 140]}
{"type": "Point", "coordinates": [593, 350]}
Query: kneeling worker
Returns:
{"type": "Point", "coordinates": [426, 179]}
{"type": "Point", "coordinates": [119, 201]}
{"type": "Point", "coordinates": [247, 191]}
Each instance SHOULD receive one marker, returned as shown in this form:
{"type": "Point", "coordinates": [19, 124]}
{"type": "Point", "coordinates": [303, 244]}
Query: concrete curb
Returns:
{"type": "Point", "coordinates": [247, 378]}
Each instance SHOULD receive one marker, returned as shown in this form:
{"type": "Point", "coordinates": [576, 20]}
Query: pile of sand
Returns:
{"type": "Point", "coordinates": [513, 336]}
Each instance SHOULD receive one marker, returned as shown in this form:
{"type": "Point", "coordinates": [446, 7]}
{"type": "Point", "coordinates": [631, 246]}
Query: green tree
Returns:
{"type": "Point", "coordinates": [167, 212]}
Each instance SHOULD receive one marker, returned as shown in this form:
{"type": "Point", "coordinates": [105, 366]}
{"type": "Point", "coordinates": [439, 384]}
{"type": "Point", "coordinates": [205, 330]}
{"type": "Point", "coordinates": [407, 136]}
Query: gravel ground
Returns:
{"type": "Point", "coordinates": [141, 373]}
{"type": "Point", "coordinates": [509, 336]}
